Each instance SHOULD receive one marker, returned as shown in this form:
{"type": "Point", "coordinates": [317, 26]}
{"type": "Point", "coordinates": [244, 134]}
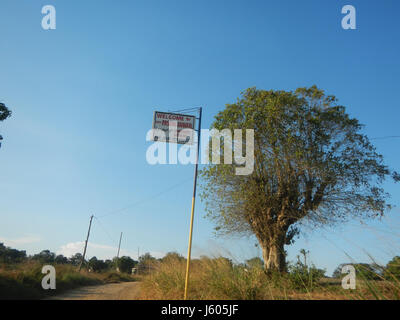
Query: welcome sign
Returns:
{"type": "Point", "coordinates": [177, 128]}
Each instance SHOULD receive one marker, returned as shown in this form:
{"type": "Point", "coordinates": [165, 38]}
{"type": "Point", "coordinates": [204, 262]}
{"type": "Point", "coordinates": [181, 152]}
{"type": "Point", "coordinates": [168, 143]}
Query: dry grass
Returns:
{"type": "Point", "coordinates": [212, 279]}
{"type": "Point", "coordinates": [23, 281]}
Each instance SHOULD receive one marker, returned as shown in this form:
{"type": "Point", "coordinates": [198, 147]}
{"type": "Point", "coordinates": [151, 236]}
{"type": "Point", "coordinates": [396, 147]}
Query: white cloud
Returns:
{"type": "Point", "coordinates": [101, 251]}
{"type": "Point", "coordinates": [71, 248]}
{"type": "Point", "coordinates": [19, 241]}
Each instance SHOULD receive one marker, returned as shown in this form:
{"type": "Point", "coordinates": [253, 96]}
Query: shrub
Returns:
{"type": "Point", "coordinates": [302, 276]}
{"type": "Point", "coordinates": [216, 278]}
{"type": "Point", "coordinates": [392, 270]}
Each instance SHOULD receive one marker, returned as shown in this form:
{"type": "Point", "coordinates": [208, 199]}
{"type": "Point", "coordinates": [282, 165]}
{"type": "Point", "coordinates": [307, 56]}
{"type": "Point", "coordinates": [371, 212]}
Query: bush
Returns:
{"type": "Point", "coordinates": [24, 281]}
{"type": "Point", "coordinates": [304, 277]}
{"type": "Point", "coordinates": [364, 271]}
{"type": "Point", "coordinates": [216, 278]}
{"type": "Point", "coordinates": [392, 270]}
{"type": "Point", "coordinates": [12, 289]}
{"type": "Point", "coordinates": [72, 280]}
{"type": "Point", "coordinates": [115, 277]}
{"type": "Point", "coordinates": [125, 264]}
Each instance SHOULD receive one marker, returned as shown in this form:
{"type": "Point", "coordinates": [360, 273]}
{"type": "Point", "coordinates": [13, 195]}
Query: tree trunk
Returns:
{"type": "Point", "coordinates": [274, 255]}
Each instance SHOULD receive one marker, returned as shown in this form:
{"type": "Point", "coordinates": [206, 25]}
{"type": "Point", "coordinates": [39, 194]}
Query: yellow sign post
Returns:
{"type": "Point", "coordinates": [162, 121]}
{"type": "Point", "coordinates": [192, 211]}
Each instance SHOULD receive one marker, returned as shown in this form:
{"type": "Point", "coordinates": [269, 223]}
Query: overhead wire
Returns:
{"type": "Point", "coordinates": [385, 137]}
{"type": "Point", "coordinates": [145, 200]}
{"type": "Point", "coordinates": [104, 229]}
{"type": "Point", "coordinates": [188, 110]}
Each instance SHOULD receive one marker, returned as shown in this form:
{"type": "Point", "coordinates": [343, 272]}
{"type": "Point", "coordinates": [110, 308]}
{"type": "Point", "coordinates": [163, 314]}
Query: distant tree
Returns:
{"type": "Point", "coordinates": [172, 256]}
{"type": "Point", "coordinates": [125, 264]}
{"type": "Point", "coordinates": [4, 112]}
{"type": "Point", "coordinates": [146, 263]}
{"type": "Point", "coordinates": [76, 259]}
{"type": "Point", "coordinates": [45, 256]}
{"type": "Point", "coordinates": [368, 271]}
{"type": "Point", "coordinates": [110, 264]}
{"type": "Point", "coordinates": [97, 265]}
{"type": "Point", "coordinates": [146, 256]}
{"type": "Point", "coordinates": [304, 275]}
{"type": "Point", "coordinates": [9, 255]}
{"type": "Point", "coordinates": [392, 270]}
{"type": "Point", "coordinates": [364, 271]}
{"type": "Point", "coordinates": [337, 273]}
{"type": "Point", "coordinates": [255, 262]}
{"type": "Point", "coordinates": [60, 259]}
{"type": "Point", "coordinates": [312, 166]}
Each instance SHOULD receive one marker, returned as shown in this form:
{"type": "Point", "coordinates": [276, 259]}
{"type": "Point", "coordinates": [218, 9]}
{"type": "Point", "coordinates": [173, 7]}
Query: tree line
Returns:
{"type": "Point", "coordinates": [124, 264]}
{"type": "Point", "coordinates": [147, 263]}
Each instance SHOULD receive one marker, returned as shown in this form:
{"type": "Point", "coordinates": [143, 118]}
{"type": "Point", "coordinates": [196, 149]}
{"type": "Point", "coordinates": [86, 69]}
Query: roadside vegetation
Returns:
{"type": "Point", "coordinates": [221, 278]}
{"type": "Point", "coordinates": [313, 167]}
{"type": "Point", "coordinates": [21, 275]}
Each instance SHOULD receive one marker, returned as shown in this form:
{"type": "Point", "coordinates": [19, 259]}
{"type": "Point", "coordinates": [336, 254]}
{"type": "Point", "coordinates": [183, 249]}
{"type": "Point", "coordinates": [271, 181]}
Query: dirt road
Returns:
{"type": "Point", "coordinates": [114, 291]}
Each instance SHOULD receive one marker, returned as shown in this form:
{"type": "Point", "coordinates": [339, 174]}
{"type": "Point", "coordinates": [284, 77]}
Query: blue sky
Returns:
{"type": "Point", "coordinates": [83, 97]}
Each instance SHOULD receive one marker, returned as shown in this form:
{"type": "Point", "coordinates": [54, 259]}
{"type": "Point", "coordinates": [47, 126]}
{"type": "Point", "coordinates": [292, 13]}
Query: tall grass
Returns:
{"type": "Point", "coordinates": [23, 281]}
{"type": "Point", "coordinates": [219, 278]}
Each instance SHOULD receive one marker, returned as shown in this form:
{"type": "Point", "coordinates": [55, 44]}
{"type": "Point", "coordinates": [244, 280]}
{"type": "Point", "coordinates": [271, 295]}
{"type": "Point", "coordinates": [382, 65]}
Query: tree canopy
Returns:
{"type": "Point", "coordinates": [9, 255]}
{"type": "Point", "coordinates": [125, 264]}
{"type": "Point", "coordinates": [392, 271]}
{"type": "Point", "coordinates": [312, 164]}
{"type": "Point", "coordinates": [4, 112]}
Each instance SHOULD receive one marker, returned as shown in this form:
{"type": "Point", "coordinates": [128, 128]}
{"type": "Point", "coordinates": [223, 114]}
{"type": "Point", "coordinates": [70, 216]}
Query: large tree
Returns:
{"type": "Point", "coordinates": [312, 165]}
{"type": "Point", "coordinates": [4, 112]}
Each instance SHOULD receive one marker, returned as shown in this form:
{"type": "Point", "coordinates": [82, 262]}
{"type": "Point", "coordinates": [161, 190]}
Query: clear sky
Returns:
{"type": "Point", "coordinates": [83, 98]}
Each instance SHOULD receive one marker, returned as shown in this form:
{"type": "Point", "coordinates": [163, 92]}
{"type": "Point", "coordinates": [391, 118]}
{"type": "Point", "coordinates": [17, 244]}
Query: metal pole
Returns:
{"type": "Point", "coordinates": [86, 242]}
{"type": "Point", "coordinates": [192, 211]}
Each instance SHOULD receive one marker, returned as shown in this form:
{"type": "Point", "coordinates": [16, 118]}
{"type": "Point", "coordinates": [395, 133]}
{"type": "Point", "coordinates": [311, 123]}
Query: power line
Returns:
{"type": "Point", "coordinates": [385, 137]}
{"type": "Point", "coordinates": [177, 185]}
{"type": "Point", "coordinates": [104, 229]}
{"type": "Point", "coordinates": [145, 200]}
{"type": "Point", "coordinates": [189, 110]}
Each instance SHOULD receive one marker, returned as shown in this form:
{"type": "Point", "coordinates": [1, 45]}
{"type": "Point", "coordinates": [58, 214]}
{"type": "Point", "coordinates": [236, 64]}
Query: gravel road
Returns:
{"type": "Point", "coordinates": [114, 291]}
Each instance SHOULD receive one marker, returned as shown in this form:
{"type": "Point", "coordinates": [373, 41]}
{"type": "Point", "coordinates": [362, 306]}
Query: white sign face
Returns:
{"type": "Point", "coordinates": [177, 128]}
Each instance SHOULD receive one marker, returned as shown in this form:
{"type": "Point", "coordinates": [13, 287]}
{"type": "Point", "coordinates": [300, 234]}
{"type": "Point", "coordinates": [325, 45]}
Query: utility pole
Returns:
{"type": "Point", "coordinates": [119, 246]}
{"type": "Point", "coordinates": [138, 260]}
{"type": "Point", "coordinates": [86, 242]}
{"type": "Point", "coordinates": [193, 203]}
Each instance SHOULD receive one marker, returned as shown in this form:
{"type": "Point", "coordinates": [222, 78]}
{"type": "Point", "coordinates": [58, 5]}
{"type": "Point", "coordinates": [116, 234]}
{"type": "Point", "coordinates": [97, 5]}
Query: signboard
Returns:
{"type": "Point", "coordinates": [178, 128]}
